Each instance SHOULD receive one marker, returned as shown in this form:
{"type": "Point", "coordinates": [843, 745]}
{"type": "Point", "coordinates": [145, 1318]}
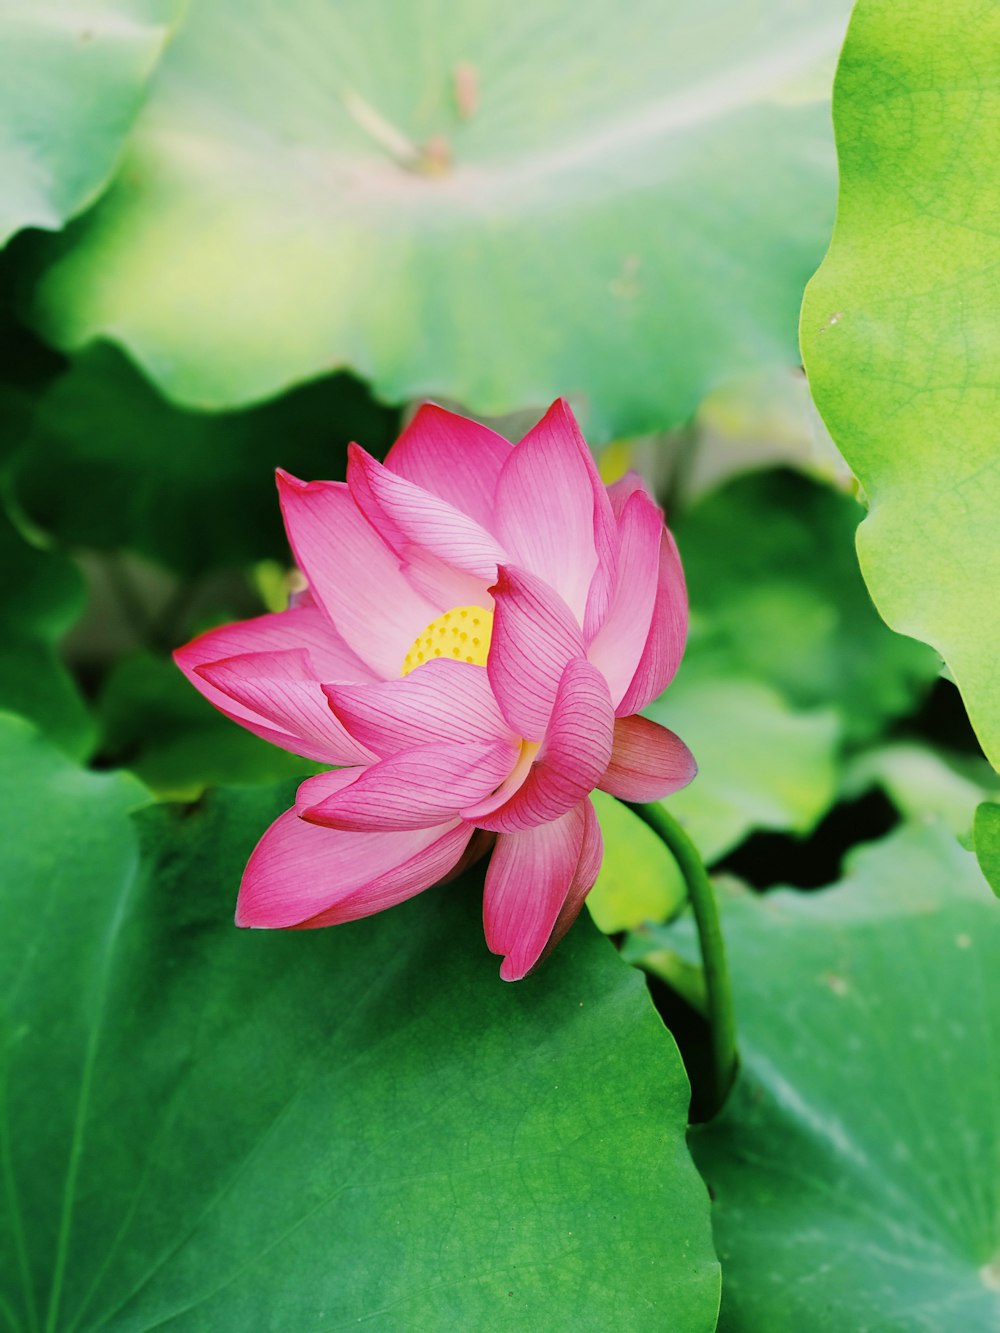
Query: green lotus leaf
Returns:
{"type": "Point", "coordinates": [854, 1171]}
{"type": "Point", "coordinates": [900, 325]}
{"type": "Point", "coordinates": [72, 78]}
{"type": "Point", "coordinates": [438, 201]}
{"type": "Point", "coordinates": [213, 1128]}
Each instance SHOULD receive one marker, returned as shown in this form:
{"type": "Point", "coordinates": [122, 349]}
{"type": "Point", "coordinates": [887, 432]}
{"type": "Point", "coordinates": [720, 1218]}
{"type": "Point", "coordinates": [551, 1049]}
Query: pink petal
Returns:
{"type": "Point", "coordinates": [452, 457]}
{"type": "Point", "coordinates": [570, 764]}
{"type": "Point", "coordinates": [618, 645]}
{"type": "Point", "coordinates": [282, 688]}
{"type": "Point", "coordinates": [353, 574]}
{"type": "Point", "coordinates": [528, 882]}
{"type": "Point", "coordinates": [534, 637]}
{"type": "Point", "coordinates": [588, 867]}
{"type": "Point", "coordinates": [443, 586]}
{"type": "Point", "coordinates": [302, 875]}
{"type": "Point", "coordinates": [553, 512]}
{"type": "Point", "coordinates": [416, 788]}
{"type": "Point", "coordinates": [620, 491]}
{"type": "Point", "coordinates": [423, 518]}
{"type": "Point", "coordinates": [439, 701]}
{"type": "Point", "coordinates": [667, 633]}
{"type": "Point", "coordinates": [303, 627]}
{"type": "Point", "coordinates": [648, 762]}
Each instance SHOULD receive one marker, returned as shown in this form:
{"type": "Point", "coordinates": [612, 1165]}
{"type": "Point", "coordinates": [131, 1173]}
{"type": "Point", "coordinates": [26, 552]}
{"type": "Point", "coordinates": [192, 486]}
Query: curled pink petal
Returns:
{"type": "Point", "coordinates": [618, 646]}
{"type": "Point", "coordinates": [282, 688]}
{"type": "Point", "coordinates": [441, 700]}
{"type": "Point", "coordinates": [528, 883]}
{"type": "Point", "coordinates": [416, 788]}
{"type": "Point", "coordinates": [664, 646]}
{"type": "Point", "coordinates": [452, 457]}
{"type": "Point", "coordinates": [424, 518]}
{"type": "Point", "coordinates": [553, 512]}
{"type": "Point", "coordinates": [303, 628]}
{"type": "Point", "coordinates": [648, 761]}
{"type": "Point", "coordinates": [302, 875]}
{"type": "Point", "coordinates": [353, 574]}
{"type": "Point", "coordinates": [571, 762]}
{"type": "Point", "coordinates": [534, 637]}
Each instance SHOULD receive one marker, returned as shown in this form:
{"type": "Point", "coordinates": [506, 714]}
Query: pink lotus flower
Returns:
{"type": "Point", "coordinates": [483, 622]}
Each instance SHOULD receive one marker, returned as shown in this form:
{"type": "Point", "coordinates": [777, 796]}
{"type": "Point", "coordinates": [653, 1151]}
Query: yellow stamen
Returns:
{"type": "Point", "coordinates": [444, 637]}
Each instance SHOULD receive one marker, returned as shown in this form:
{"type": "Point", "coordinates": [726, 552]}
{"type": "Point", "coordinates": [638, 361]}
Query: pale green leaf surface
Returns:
{"type": "Point", "coordinates": [761, 764]}
{"type": "Point", "coordinates": [71, 81]}
{"type": "Point", "coordinates": [986, 832]}
{"type": "Point", "coordinates": [899, 326]}
{"type": "Point", "coordinates": [639, 879]}
{"type": "Point", "coordinates": [304, 1130]}
{"type": "Point", "coordinates": [856, 1170]}
{"type": "Point", "coordinates": [434, 196]}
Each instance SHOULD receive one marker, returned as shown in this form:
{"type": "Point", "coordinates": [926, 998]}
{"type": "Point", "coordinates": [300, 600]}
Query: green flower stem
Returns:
{"type": "Point", "coordinates": [719, 992]}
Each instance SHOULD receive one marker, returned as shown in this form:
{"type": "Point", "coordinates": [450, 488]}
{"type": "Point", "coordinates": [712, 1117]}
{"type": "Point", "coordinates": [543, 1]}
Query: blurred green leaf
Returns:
{"type": "Point", "coordinates": [41, 595]}
{"type": "Point", "coordinates": [987, 841]}
{"type": "Point", "coordinates": [900, 325]}
{"type": "Point", "coordinates": [919, 781]}
{"type": "Point", "coordinates": [71, 81]}
{"type": "Point", "coordinates": [108, 463]}
{"type": "Point", "coordinates": [155, 724]}
{"type": "Point", "coordinates": [855, 1172]}
{"type": "Point", "coordinates": [434, 199]}
{"type": "Point", "coordinates": [639, 879]}
{"type": "Point", "coordinates": [776, 594]}
{"type": "Point", "coordinates": [761, 764]}
{"type": "Point", "coordinates": [231, 1130]}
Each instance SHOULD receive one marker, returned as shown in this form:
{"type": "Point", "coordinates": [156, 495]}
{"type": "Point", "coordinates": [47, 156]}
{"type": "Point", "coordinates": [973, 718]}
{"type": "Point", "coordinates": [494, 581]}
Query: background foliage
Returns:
{"type": "Point", "coordinates": [238, 237]}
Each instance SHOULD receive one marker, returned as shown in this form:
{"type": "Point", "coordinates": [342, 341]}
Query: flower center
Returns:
{"type": "Point", "coordinates": [463, 633]}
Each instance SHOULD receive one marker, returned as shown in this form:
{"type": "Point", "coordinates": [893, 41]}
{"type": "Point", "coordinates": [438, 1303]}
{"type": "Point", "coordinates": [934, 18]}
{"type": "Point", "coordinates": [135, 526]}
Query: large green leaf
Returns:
{"type": "Point", "coordinates": [222, 1129]}
{"type": "Point", "coordinates": [108, 463]}
{"type": "Point", "coordinates": [899, 326]}
{"type": "Point", "coordinates": [41, 595]}
{"type": "Point", "coordinates": [784, 601]}
{"type": "Point", "coordinates": [71, 80]}
{"type": "Point", "coordinates": [478, 201]}
{"type": "Point", "coordinates": [856, 1170]}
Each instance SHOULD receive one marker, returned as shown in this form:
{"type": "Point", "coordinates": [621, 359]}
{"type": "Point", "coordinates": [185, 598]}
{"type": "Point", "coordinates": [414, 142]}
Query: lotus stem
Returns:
{"type": "Point", "coordinates": [719, 993]}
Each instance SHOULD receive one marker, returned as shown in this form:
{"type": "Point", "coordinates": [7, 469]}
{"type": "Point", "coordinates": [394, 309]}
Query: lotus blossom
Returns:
{"type": "Point", "coordinates": [482, 624]}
